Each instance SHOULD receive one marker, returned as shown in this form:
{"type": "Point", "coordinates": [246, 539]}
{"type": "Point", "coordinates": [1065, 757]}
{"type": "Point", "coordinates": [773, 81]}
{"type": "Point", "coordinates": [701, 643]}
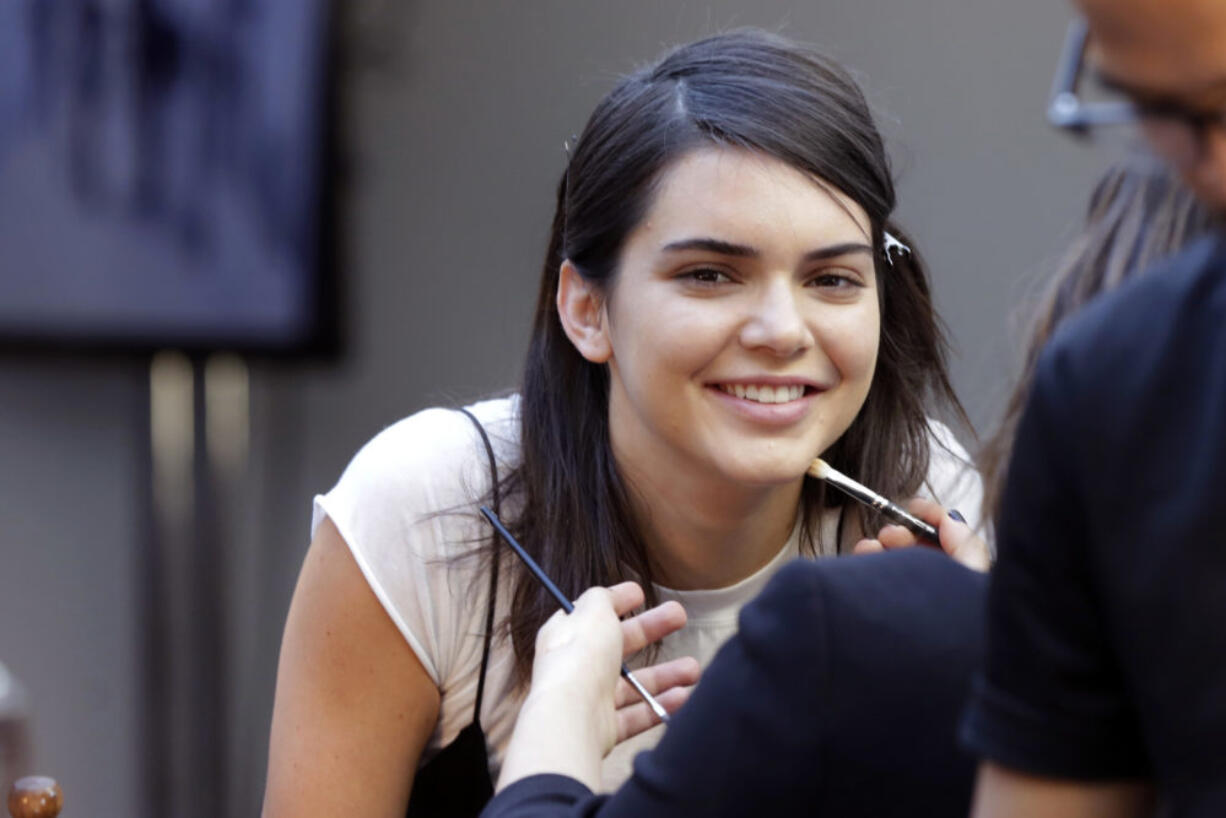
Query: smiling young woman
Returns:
{"type": "Point", "coordinates": [716, 308]}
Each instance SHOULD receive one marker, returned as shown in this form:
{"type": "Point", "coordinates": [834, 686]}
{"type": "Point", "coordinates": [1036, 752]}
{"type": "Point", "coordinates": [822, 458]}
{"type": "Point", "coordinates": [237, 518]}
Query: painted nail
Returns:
{"type": "Point", "coordinates": [954, 514]}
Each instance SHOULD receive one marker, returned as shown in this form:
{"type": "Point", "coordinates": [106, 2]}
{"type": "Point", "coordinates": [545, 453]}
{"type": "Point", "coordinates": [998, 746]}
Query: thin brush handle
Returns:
{"type": "Point", "coordinates": [536, 570]}
{"type": "Point", "coordinates": [888, 508]}
{"type": "Point", "coordinates": [540, 574]}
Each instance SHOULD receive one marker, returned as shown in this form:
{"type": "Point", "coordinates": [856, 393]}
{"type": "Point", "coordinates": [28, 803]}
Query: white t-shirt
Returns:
{"type": "Point", "coordinates": [404, 506]}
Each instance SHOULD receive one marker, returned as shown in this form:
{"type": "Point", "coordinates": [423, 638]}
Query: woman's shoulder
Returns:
{"type": "Point", "coordinates": [432, 461]}
{"type": "Point", "coordinates": [404, 506]}
{"type": "Point", "coordinates": [439, 437]}
{"type": "Point", "coordinates": [438, 446]}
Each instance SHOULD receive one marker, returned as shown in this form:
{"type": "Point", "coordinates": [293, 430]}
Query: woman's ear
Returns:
{"type": "Point", "coordinates": [581, 307]}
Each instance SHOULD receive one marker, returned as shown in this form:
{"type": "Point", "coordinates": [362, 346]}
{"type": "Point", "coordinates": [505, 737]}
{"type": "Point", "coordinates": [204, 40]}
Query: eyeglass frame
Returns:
{"type": "Point", "coordinates": [1069, 112]}
{"type": "Point", "coordinates": [1065, 109]}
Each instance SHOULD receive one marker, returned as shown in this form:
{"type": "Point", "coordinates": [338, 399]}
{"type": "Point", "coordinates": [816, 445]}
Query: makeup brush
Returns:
{"type": "Point", "coordinates": [540, 574]}
{"type": "Point", "coordinates": [824, 471]}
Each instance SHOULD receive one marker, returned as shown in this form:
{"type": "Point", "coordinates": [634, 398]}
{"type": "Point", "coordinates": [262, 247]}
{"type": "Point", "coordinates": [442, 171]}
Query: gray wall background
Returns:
{"type": "Point", "coordinates": [455, 115]}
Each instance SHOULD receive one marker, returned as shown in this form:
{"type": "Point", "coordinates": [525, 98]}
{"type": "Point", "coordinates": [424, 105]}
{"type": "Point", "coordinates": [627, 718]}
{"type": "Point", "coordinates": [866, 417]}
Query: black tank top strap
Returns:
{"type": "Point", "coordinates": [456, 782]}
{"type": "Point", "coordinates": [495, 503]}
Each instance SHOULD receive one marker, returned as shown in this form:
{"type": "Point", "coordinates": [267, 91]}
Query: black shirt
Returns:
{"type": "Point", "coordinates": [1107, 609]}
{"type": "Point", "coordinates": [839, 695]}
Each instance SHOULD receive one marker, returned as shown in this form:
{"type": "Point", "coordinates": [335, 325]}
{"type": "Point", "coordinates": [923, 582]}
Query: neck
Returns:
{"type": "Point", "coordinates": [702, 532]}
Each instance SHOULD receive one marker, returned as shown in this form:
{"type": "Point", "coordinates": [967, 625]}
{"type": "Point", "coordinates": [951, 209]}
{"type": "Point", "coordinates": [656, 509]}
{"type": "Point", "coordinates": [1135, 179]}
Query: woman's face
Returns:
{"type": "Point", "coordinates": [743, 322]}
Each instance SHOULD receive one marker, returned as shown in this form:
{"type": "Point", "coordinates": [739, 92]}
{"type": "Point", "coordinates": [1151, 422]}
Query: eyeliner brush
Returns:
{"type": "Point", "coordinates": [539, 573]}
{"type": "Point", "coordinates": [824, 471]}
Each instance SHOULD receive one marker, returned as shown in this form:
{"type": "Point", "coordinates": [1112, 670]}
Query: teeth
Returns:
{"type": "Point", "coordinates": [765, 393]}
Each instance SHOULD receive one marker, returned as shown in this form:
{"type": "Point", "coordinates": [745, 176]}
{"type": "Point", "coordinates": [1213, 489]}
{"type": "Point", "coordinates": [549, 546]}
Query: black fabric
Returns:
{"type": "Point", "coordinates": [545, 795]}
{"type": "Point", "coordinates": [839, 695]}
{"type": "Point", "coordinates": [456, 782]}
{"type": "Point", "coordinates": [1107, 648]}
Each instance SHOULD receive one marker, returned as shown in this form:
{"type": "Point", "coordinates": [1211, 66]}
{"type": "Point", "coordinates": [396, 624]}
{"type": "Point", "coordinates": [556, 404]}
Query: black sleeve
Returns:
{"type": "Point", "coordinates": [1051, 700]}
{"type": "Point", "coordinates": [745, 743]}
{"type": "Point", "coordinates": [542, 796]}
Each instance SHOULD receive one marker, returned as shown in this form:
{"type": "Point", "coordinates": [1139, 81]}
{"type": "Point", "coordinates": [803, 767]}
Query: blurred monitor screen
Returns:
{"type": "Point", "coordinates": [162, 175]}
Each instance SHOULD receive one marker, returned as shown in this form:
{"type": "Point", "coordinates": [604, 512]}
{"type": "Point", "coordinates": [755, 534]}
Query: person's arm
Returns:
{"type": "Point", "coordinates": [1004, 793]}
{"type": "Point", "coordinates": [354, 707]}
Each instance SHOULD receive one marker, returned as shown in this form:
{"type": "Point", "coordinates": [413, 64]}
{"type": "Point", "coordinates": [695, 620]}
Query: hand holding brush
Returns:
{"type": "Point", "coordinates": [923, 521]}
{"type": "Point", "coordinates": [657, 709]}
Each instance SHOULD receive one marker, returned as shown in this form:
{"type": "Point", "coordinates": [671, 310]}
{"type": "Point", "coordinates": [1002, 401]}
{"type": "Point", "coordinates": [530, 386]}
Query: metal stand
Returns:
{"type": "Point", "coordinates": [197, 441]}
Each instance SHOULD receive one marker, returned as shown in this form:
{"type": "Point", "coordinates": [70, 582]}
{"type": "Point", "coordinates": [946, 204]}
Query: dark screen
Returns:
{"type": "Point", "coordinates": [162, 174]}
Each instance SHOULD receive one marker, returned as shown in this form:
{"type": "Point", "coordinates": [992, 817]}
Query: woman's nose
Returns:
{"type": "Point", "coordinates": [776, 322]}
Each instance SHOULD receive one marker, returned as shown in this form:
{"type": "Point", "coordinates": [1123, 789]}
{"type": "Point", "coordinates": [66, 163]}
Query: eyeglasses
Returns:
{"type": "Point", "coordinates": [1176, 131]}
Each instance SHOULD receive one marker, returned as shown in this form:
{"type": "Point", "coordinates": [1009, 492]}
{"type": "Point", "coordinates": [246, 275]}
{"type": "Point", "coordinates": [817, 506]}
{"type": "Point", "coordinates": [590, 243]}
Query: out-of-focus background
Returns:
{"type": "Point", "coordinates": [141, 640]}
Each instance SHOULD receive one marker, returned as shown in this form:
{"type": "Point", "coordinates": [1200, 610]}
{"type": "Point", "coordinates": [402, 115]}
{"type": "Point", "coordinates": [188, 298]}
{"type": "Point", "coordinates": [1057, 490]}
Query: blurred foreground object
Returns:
{"type": "Point", "coordinates": [35, 796]}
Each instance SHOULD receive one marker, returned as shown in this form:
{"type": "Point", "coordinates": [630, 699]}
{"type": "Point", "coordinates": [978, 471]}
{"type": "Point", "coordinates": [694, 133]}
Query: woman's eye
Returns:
{"type": "Point", "coordinates": [706, 275]}
{"type": "Point", "coordinates": [835, 281]}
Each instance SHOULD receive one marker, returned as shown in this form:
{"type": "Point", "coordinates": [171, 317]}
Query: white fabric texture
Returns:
{"type": "Point", "coordinates": [405, 507]}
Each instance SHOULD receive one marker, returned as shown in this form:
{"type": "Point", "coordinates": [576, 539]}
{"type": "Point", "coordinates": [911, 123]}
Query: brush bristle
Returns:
{"type": "Point", "coordinates": [819, 469]}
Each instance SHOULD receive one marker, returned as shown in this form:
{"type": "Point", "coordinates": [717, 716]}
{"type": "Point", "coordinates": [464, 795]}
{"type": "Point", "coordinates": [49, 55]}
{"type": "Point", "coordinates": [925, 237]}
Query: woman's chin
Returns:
{"type": "Point", "coordinates": [766, 474]}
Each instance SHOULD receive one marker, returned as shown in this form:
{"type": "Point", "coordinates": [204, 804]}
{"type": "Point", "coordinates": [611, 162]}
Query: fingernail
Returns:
{"type": "Point", "coordinates": [954, 514]}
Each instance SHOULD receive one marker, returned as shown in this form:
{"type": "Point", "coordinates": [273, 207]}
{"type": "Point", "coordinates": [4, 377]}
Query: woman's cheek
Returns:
{"type": "Point", "coordinates": [693, 340]}
{"type": "Point", "coordinates": [853, 347]}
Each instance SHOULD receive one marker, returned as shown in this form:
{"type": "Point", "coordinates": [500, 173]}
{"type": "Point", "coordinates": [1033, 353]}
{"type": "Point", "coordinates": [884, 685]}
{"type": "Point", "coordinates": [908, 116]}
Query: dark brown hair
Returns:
{"type": "Point", "coordinates": [749, 90]}
{"type": "Point", "coordinates": [1138, 213]}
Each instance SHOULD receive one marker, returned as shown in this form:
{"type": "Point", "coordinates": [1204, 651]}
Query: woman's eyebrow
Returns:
{"type": "Point", "coordinates": [727, 248]}
{"type": "Point", "coordinates": [723, 248]}
{"type": "Point", "coordinates": [836, 250]}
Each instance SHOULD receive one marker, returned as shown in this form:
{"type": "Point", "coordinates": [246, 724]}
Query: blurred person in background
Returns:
{"type": "Point", "coordinates": [1106, 665]}
{"type": "Point", "coordinates": [724, 297]}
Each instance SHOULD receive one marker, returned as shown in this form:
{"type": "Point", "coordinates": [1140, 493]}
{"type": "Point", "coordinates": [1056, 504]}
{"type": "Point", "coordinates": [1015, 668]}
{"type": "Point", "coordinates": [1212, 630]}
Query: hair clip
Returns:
{"type": "Point", "coordinates": [893, 244]}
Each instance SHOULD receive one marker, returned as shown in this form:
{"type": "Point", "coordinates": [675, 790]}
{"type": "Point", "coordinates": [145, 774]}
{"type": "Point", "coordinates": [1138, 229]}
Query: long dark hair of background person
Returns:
{"type": "Point", "coordinates": [1138, 213]}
